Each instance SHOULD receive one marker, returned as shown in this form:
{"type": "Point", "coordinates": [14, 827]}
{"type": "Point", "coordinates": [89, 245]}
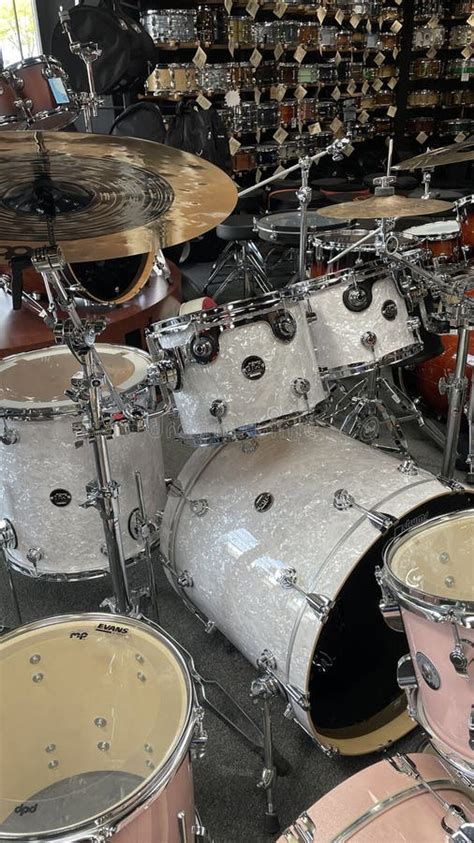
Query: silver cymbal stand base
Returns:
{"type": "Point", "coordinates": [249, 269]}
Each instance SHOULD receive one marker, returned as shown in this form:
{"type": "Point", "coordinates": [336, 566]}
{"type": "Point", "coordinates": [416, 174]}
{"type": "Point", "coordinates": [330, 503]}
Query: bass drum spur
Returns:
{"type": "Point", "coordinates": [246, 525]}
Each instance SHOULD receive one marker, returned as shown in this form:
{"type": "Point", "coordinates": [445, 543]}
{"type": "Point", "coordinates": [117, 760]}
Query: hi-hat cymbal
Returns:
{"type": "Point", "coordinates": [456, 153]}
{"type": "Point", "coordinates": [384, 207]}
{"type": "Point", "coordinates": [99, 197]}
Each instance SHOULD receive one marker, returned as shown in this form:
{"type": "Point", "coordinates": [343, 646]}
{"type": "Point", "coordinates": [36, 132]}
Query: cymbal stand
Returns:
{"type": "Point", "coordinates": [89, 52]}
{"type": "Point", "coordinates": [263, 690]}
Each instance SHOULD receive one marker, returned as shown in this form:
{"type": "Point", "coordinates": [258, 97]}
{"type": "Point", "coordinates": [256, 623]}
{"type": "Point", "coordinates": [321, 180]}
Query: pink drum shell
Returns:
{"type": "Point", "coordinates": [447, 710]}
{"type": "Point", "coordinates": [417, 817]}
{"type": "Point", "coordinates": [157, 820]}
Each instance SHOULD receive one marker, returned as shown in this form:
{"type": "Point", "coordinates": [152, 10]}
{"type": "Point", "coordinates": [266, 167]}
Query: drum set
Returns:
{"type": "Point", "coordinates": [281, 531]}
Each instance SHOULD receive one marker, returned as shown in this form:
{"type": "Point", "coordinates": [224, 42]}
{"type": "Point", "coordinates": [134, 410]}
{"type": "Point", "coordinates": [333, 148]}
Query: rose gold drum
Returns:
{"type": "Point", "coordinates": [44, 87]}
{"type": "Point", "coordinates": [385, 803]}
{"type": "Point", "coordinates": [428, 579]}
{"type": "Point", "coordinates": [98, 720]}
{"type": "Point", "coordinates": [12, 115]}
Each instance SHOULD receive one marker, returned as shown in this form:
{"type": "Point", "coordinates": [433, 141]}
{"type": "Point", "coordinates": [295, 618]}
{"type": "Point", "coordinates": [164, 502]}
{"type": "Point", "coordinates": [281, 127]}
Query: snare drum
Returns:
{"type": "Point", "coordinates": [465, 213]}
{"type": "Point", "coordinates": [245, 368]}
{"type": "Point", "coordinates": [268, 116]}
{"type": "Point", "coordinates": [423, 98]}
{"type": "Point", "coordinates": [463, 7]}
{"type": "Point", "coordinates": [462, 69]}
{"type": "Point", "coordinates": [288, 113]}
{"type": "Point", "coordinates": [327, 110]}
{"type": "Point", "coordinates": [241, 75]}
{"type": "Point", "coordinates": [308, 74]}
{"type": "Point", "coordinates": [330, 243]}
{"type": "Point", "coordinates": [424, 36]}
{"type": "Point", "coordinates": [216, 77]}
{"type": "Point", "coordinates": [441, 238]}
{"type": "Point", "coordinates": [428, 573]}
{"type": "Point", "coordinates": [420, 124]}
{"type": "Point", "coordinates": [422, 68]}
{"type": "Point", "coordinates": [308, 34]}
{"type": "Point", "coordinates": [384, 98]}
{"type": "Point", "coordinates": [307, 110]}
{"type": "Point", "coordinates": [172, 78]}
{"type": "Point", "coordinates": [78, 761]}
{"type": "Point", "coordinates": [265, 74]}
{"type": "Point", "coordinates": [210, 24]}
{"type": "Point", "coordinates": [12, 107]}
{"type": "Point", "coordinates": [284, 229]}
{"type": "Point", "coordinates": [44, 87]}
{"type": "Point", "coordinates": [385, 40]}
{"type": "Point", "coordinates": [454, 99]}
{"type": "Point", "coordinates": [268, 154]}
{"type": "Point", "coordinates": [44, 474]}
{"type": "Point", "coordinates": [240, 30]}
{"type": "Point", "coordinates": [171, 25]}
{"type": "Point", "coordinates": [382, 126]}
{"type": "Point", "coordinates": [461, 36]}
{"type": "Point", "coordinates": [385, 803]}
{"type": "Point", "coordinates": [453, 128]}
{"type": "Point", "coordinates": [328, 36]}
{"type": "Point", "coordinates": [428, 8]}
{"type": "Point", "coordinates": [328, 74]}
{"type": "Point", "coordinates": [288, 32]}
{"type": "Point", "coordinates": [344, 39]}
{"type": "Point", "coordinates": [290, 150]}
{"type": "Point", "coordinates": [245, 117]}
{"type": "Point", "coordinates": [288, 73]}
{"type": "Point", "coordinates": [376, 328]}
{"type": "Point", "coordinates": [361, 133]}
{"type": "Point", "coordinates": [245, 159]}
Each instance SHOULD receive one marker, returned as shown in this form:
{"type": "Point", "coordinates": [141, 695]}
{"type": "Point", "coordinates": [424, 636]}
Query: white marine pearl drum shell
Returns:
{"type": "Point", "coordinates": [338, 331]}
{"type": "Point", "coordinates": [252, 395]}
{"type": "Point", "coordinates": [380, 804]}
{"type": "Point", "coordinates": [269, 509]}
{"type": "Point", "coordinates": [45, 462]}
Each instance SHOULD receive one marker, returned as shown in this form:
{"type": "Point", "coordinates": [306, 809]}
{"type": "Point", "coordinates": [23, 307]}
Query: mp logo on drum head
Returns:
{"type": "Point", "coordinates": [60, 497]}
{"type": "Point", "coordinates": [428, 671]}
{"type": "Point", "coordinates": [253, 368]}
{"type": "Point", "coordinates": [263, 501]}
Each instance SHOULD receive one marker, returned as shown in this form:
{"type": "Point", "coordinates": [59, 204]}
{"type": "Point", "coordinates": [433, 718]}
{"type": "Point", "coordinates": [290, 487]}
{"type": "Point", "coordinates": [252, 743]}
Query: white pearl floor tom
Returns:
{"type": "Point", "coordinates": [240, 369]}
{"type": "Point", "coordinates": [430, 573]}
{"type": "Point", "coordinates": [44, 473]}
{"type": "Point", "coordinates": [78, 761]}
{"type": "Point", "coordinates": [249, 521]}
{"type": "Point", "coordinates": [361, 321]}
{"type": "Point", "coordinates": [382, 803]}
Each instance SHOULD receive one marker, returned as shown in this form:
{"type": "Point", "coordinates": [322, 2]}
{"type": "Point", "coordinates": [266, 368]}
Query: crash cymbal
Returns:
{"type": "Point", "coordinates": [99, 197]}
{"type": "Point", "coordinates": [383, 207]}
{"type": "Point", "coordinates": [456, 153]}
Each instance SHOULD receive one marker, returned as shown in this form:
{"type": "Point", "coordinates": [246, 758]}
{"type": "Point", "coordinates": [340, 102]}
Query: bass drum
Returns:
{"type": "Point", "coordinates": [250, 521]}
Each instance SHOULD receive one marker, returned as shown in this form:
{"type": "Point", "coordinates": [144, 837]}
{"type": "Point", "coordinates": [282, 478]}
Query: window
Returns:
{"type": "Point", "coordinates": [19, 31]}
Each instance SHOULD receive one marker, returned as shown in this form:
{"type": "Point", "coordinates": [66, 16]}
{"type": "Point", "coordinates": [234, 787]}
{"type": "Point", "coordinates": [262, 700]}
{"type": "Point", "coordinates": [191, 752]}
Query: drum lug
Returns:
{"type": "Point", "coordinates": [453, 485]}
{"type": "Point", "coordinates": [10, 436]}
{"type": "Point", "coordinates": [200, 737]}
{"type": "Point", "coordinates": [344, 500]}
{"type": "Point", "coordinates": [303, 830]}
{"type": "Point", "coordinates": [369, 340]}
{"type": "Point", "coordinates": [319, 603]}
{"type": "Point", "coordinates": [8, 537]}
{"type": "Point", "coordinates": [185, 580]}
{"type": "Point", "coordinates": [199, 506]}
{"type": "Point", "coordinates": [470, 727]}
{"type": "Point", "coordinates": [408, 467]}
{"type": "Point", "coordinates": [388, 605]}
{"type": "Point", "coordinates": [406, 679]}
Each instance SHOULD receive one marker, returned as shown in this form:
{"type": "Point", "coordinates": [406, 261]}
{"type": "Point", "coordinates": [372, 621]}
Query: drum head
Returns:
{"type": "Point", "coordinates": [36, 380]}
{"type": "Point", "coordinates": [94, 710]}
{"type": "Point", "coordinates": [285, 227]}
{"type": "Point", "coordinates": [433, 230]}
{"type": "Point", "coordinates": [112, 281]}
{"type": "Point", "coordinates": [436, 559]}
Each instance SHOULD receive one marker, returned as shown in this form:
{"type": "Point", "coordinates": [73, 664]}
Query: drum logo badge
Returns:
{"type": "Point", "coordinates": [253, 368]}
{"type": "Point", "coordinates": [26, 809]}
{"type": "Point", "coordinates": [263, 501]}
{"type": "Point", "coordinates": [60, 497]}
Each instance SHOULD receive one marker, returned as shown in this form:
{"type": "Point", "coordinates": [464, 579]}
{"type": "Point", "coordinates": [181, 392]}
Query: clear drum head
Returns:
{"type": "Point", "coordinates": [94, 717]}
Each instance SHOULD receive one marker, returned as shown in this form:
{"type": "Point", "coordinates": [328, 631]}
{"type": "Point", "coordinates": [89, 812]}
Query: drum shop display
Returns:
{"type": "Point", "coordinates": [226, 532]}
{"type": "Point", "coordinates": [171, 26]}
{"type": "Point", "coordinates": [242, 368]}
{"type": "Point", "coordinates": [423, 99]}
{"type": "Point", "coordinates": [173, 78]}
{"type": "Point", "coordinates": [78, 763]}
{"type": "Point", "coordinates": [245, 159]}
{"type": "Point", "coordinates": [424, 36]}
{"type": "Point", "coordinates": [426, 68]}
{"type": "Point", "coordinates": [55, 536]}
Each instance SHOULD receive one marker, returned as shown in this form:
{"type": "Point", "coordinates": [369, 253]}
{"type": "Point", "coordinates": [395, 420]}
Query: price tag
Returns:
{"type": "Point", "coordinates": [234, 145]}
{"type": "Point", "coordinates": [395, 52]}
{"type": "Point", "coordinates": [279, 170]}
{"type": "Point", "coordinates": [257, 95]}
{"type": "Point", "coordinates": [336, 94]}
{"type": "Point", "coordinates": [231, 45]}
{"type": "Point", "coordinates": [336, 125]}
{"type": "Point", "coordinates": [421, 137]}
{"type": "Point", "coordinates": [252, 8]}
{"type": "Point", "coordinates": [280, 8]}
{"type": "Point", "coordinates": [203, 102]}
{"type": "Point", "coordinates": [277, 92]}
{"type": "Point", "coordinates": [396, 27]}
{"type": "Point", "coordinates": [351, 88]}
{"type": "Point", "coordinates": [464, 77]}
{"type": "Point", "coordinates": [337, 58]}
{"type": "Point", "coordinates": [391, 111]}
{"type": "Point", "coordinates": [460, 137]}
{"type": "Point", "coordinates": [392, 83]}
{"type": "Point", "coordinates": [368, 25]}
{"type": "Point", "coordinates": [377, 84]}
{"type": "Point", "coordinates": [314, 129]}
{"type": "Point", "coordinates": [321, 14]}
{"type": "Point", "coordinates": [300, 92]}
{"type": "Point", "coordinates": [467, 53]}
{"type": "Point", "coordinates": [354, 21]}
{"type": "Point", "coordinates": [228, 5]}
{"type": "Point", "coordinates": [379, 59]}
{"type": "Point", "coordinates": [199, 58]}
{"type": "Point", "coordinates": [398, 2]}
{"type": "Point", "coordinates": [365, 87]}
{"type": "Point", "coordinates": [232, 98]}
{"type": "Point", "coordinates": [470, 20]}
{"type": "Point", "coordinates": [348, 150]}
{"type": "Point", "coordinates": [433, 22]}
{"type": "Point", "coordinates": [339, 16]}
{"type": "Point", "coordinates": [299, 54]}
{"type": "Point", "coordinates": [258, 135]}
{"type": "Point", "coordinates": [258, 175]}
{"type": "Point", "coordinates": [278, 51]}
{"type": "Point", "coordinates": [280, 135]}
{"type": "Point", "coordinates": [431, 53]}
{"type": "Point", "coordinates": [363, 117]}
{"type": "Point", "coordinates": [255, 58]}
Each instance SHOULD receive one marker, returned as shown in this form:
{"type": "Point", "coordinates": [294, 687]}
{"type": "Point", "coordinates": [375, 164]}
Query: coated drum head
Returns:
{"type": "Point", "coordinates": [436, 559]}
{"type": "Point", "coordinates": [441, 230]}
{"type": "Point", "coordinates": [94, 712]}
{"type": "Point", "coordinates": [36, 380]}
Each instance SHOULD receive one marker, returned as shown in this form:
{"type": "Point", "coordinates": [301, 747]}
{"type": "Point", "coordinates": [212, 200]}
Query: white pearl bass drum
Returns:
{"type": "Point", "coordinates": [273, 542]}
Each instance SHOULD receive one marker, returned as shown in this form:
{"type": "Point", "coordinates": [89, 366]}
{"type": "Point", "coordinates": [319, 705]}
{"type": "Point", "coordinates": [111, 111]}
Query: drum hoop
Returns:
{"type": "Point", "coordinates": [75, 576]}
{"type": "Point", "coordinates": [107, 820]}
{"type": "Point", "coordinates": [465, 200]}
{"type": "Point", "coordinates": [360, 368]}
{"type": "Point", "coordinates": [35, 60]}
{"type": "Point", "coordinates": [251, 432]}
{"type": "Point", "coordinates": [431, 606]}
{"type": "Point", "coordinates": [341, 276]}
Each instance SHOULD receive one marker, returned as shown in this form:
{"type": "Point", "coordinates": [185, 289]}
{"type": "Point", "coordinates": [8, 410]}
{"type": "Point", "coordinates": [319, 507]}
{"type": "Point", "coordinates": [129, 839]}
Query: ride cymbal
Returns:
{"type": "Point", "coordinates": [456, 153]}
{"type": "Point", "coordinates": [384, 207]}
{"type": "Point", "coordinates": [98, 197]}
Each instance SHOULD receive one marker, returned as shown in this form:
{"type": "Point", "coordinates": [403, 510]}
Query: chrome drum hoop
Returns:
{"type": "Point", "coordinates": [363, 368]}
{"type": "Point", "coordinates": [240, 434]}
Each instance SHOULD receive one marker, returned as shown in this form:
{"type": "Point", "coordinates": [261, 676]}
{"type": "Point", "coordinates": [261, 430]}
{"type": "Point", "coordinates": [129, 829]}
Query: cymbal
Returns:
{"type": "Point", "coordinates": [383, 207]}
{"type": "Point", "coordinates": [99, 197]}
{"type": "Point", "coordinates": [456, 153]}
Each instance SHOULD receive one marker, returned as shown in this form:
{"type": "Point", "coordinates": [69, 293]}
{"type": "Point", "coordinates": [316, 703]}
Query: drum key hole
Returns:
{"type": "Point", "coordinates": [444, 558]}
{"type": "Point", "coordinates": [38, 677]}
{"type": "Point", "coordinates": [139, 658]}
{"type": "Point", "coordinates": [50, 748]}
{"type": "Point", "coordinates": [148, 748]}
{"type": "Point", "coordinates": [103, 746]}
{"type": "Point", "coordinates": [100, 722]}
{"type": "Point", "coordinates": [449, 582]}
{"type": "Point", "coordinates": [141, 677]}
{"type": "Point", "coordinates": [35, 659]}
{"type": "Point", "coordinates": [53, 764]}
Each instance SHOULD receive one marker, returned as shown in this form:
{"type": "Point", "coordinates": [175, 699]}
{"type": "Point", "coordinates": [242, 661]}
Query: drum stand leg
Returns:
{"type": "Point", "coordinates": [456, 389]}
{"type": "Point", "coordinates": [470, 447]}
{"type": "Point", "coordinates": [8, 539]}
{"type": "Point", "coordinates": [264, 689]}
{"type": "Point", "coordinates": [249, 268]}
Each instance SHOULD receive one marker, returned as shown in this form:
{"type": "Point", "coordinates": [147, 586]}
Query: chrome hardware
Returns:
{"type": "Point", "coordinates": [298, 697]}
{"type": "Point", "coordinates": [185, 580]}
{"type": "Point", "coordinates": [470, 726]}
{"type": "Point", "coordinates": [464, 834]}
{"type": "Point", "coordinates": [199, 506]}
{"type": "Point", "coordinates": [202, 349]}
{"type": "Point", "coordinates": [263, 690]}
{"type": "Point", "coordinates": [388, 605]}
{"type": "Point", "coordinates": [183, 833]}
{"type": "Point", "coordinates": [454, 485]}
{"type": "Point", "coordinates": [8, 537]}
{"type": "Point", "coordinates": [267, 660]}
{"type": "Point", "coordinates": [319, 603]}
{"type": "Point", "coordinates": [10, 436]}
{"type": "Point", "coordinates": [457, 656]}
{"type": "Point", "coordinates": [344, 500]}
{"type": "Point", "coordinates": [34, 555]}
{"type": "Point", "coordinates": [218, 409]}
{"type": "Point", "coordinates": [413, 323]}
{"type": "Point", "coordinates": [284, 326]}
{"type": "Point", "coordinates": [200, 737]}
{"type": "Point", "coordinates": [369, 340]}
{"type": "Point", "coordinates": [301, 387]}
{"type": "Point", "coordinates": [303, 830]}
{"type": "Point", "coordinates": [164, 372]}
{"type": "Point", "coordinates": [408, 467]}
{"type": "Point", "coordinates": [428, 671]}
{"type": "Point", "coordinates": [389, 310]}
{"type": "Point", "coordinates": [402, 764]}
{"type": "Point", "coordinates": [406, 679]}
